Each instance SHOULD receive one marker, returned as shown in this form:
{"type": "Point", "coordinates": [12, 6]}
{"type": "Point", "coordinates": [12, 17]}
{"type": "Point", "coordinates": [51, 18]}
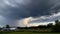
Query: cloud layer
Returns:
{"type": "Point", "coordinates": [13, 10]}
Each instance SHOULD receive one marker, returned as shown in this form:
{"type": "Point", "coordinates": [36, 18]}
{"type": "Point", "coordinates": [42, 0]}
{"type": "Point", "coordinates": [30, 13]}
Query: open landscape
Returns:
{"type": "Point", "coordinates": [49, 29]}
{"type": "Point", "coordinates": [29, 16]}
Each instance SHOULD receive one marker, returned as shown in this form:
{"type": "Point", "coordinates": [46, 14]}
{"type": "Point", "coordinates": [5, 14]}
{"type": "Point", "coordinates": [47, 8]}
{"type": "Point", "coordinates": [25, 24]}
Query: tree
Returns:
{"type": "Point", "coordinates": [56, 28]}
{"type": "Point", "coordinates": [57, 22]}
{"type": "Point", "coordinates": [50, 25]}
{"type": "Point", "coordinates": [7, 26]}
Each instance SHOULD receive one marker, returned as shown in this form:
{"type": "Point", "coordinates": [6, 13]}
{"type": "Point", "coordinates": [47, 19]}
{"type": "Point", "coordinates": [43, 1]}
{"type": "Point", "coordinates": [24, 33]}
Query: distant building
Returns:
{"type": "Point", "coordinates": [13, 29]}
{"type": "Point", "coordinates": [5, 29]}
{"type": "Point", "coordinates": [9, 29]}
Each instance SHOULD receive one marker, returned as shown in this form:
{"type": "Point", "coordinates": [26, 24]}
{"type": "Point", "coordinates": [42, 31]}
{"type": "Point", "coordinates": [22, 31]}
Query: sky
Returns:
{"type": "Point", "coordinates": [25, 12]}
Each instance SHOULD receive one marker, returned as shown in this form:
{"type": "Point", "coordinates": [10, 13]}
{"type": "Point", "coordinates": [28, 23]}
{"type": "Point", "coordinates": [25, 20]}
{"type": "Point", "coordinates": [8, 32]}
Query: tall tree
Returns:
{"type": "Point", "coordinates": [57, 22]}
{"type": "Point", "coordinates": [7, 26]}
{"type": "Point", "coordinates": [56, 28]}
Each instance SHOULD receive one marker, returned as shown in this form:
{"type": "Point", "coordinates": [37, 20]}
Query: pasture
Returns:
{"type": "Point", "coordinates": [26, 33]}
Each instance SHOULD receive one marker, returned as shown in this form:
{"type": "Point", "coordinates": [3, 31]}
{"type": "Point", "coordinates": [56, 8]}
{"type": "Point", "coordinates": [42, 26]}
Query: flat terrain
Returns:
{"type": "Point", "coordinates": [25, 33]}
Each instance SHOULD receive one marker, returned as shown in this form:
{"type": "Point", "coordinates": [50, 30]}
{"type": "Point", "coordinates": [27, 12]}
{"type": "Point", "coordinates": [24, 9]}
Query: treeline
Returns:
{"type": "Point", "coordinates": [54, 28]}
{"type": "Point", "coordinates": [50, 27]}
{"type": "Point", "coordinates": [36, 27]}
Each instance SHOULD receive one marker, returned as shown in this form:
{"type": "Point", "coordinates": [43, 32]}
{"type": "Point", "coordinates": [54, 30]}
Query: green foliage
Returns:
{"type": "Point", "coordinates": [50, 25]}
{"type": "Point", "coordinates": [7, 26]}
{"type": "Point", "coordinates": [56, 28]}
{"type": "Point", "coordinates": [57, 21]}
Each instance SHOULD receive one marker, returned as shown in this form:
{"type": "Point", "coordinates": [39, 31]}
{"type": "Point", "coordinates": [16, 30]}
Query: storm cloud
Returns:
{"type": "Point", "coordinates": [13, 10]}
{"type": "Point", "coordinates": [27, 8]}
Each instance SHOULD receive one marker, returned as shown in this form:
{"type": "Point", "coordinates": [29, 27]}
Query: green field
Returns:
{"type": "Point", "coordinates": [25, 33]}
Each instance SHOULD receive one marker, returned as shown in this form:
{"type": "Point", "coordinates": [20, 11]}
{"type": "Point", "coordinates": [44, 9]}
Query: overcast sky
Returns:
{"type": "Point", "coordinates": [13, 12]}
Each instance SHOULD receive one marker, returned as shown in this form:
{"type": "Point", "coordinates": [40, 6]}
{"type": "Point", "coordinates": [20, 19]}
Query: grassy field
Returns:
{"type": "Point", "coordinates": [25, 33]}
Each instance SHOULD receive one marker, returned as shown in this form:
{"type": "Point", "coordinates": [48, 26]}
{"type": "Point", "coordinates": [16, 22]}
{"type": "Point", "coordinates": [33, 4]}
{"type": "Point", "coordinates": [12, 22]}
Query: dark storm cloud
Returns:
{"type": "Point", "coordinates": [33, 8]}
{"type": "Point", "coordinates": [11, 10]}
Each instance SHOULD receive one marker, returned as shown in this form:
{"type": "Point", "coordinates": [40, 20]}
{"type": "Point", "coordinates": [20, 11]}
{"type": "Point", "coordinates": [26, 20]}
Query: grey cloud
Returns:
{"type": "Point", "coordinates": [34, 8]}
{"type": "Point", "coordinates": [43, 19]}
{"type": "Point", "coordinates": [17, 9]}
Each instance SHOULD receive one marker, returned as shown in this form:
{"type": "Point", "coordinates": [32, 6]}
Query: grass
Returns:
{"type": "Point", "coordinates": [29, 31]}
{"type": "Point", "coordinates": [25, 33]}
